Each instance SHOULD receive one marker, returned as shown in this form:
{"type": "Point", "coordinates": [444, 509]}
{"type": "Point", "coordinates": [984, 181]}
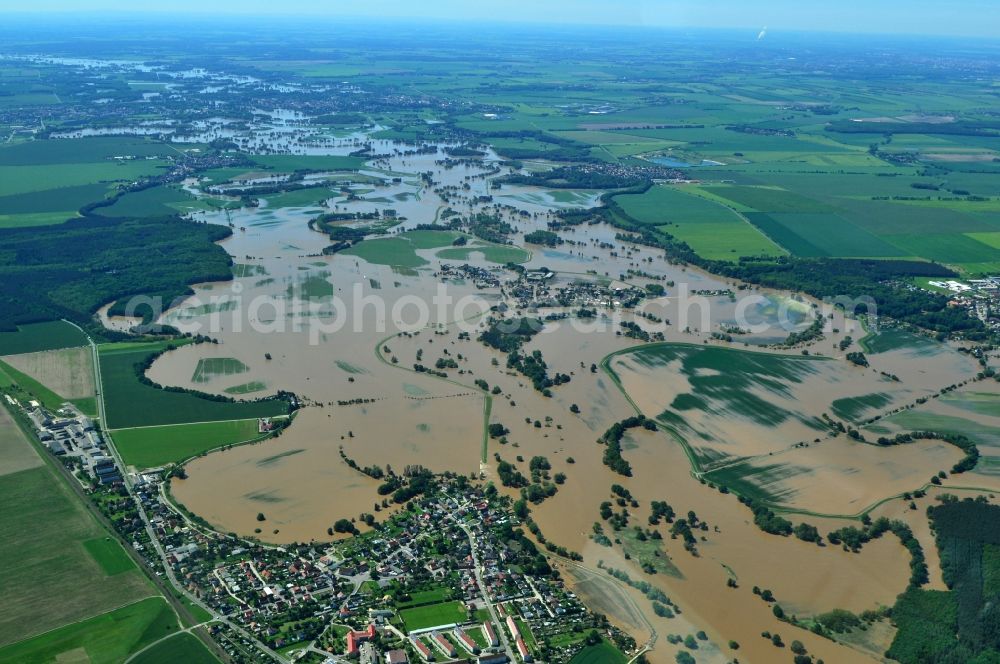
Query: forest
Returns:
{"type": "Point", "coordinates": [963, 623]}
{"type": "Point", "coordinates": [71, 270]}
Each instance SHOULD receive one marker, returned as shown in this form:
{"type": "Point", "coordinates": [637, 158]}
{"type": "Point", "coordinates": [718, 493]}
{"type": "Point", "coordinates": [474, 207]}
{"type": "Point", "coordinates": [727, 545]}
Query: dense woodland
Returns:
{"type": "Point", "coordinates": [71, 270]}
{"type": "Point", "coordinates": [961, 625]}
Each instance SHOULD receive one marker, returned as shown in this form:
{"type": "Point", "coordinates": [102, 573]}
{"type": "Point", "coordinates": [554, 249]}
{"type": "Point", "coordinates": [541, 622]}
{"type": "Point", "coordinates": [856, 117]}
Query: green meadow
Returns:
{"type": "Point", "coordinates": [602, 653]}
{"type": "Point", "coordinates": [147, 447]}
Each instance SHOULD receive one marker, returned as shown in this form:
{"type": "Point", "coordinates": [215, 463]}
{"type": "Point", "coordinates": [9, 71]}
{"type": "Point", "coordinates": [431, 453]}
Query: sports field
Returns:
{"type": "Point", "coordinates": [432, 615]}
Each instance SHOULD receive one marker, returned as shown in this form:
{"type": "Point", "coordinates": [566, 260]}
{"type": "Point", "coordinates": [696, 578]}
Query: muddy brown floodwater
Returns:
{"type": "Point", "coordinates": [362, 398]}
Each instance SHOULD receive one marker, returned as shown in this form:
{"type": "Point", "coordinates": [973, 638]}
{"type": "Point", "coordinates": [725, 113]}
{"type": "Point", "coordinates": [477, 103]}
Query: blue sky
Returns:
{"type": "Point", "coordinates": [945, 17]}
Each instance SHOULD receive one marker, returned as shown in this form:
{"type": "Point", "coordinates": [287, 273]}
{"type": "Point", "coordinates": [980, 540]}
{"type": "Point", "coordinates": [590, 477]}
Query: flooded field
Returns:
{"type": "Point", "coordinates": [383, 384]}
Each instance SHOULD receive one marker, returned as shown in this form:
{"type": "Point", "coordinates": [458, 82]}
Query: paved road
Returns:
{"type": "Point", "coordinates": [478, 570]}
{"type": "Point", "coordinates": [168, 592]}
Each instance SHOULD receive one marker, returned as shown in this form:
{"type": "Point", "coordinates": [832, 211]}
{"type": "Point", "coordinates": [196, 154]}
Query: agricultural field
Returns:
{"type": "Point", "coordinates": [211, 367]}
{"type": "Point", "coordinates": [130, 403]}
{"type": "Point", "coordinates": [109, 555]}
{"type": "Point", "coordinates": [183, 647]}
{"type": "Point", "coordinates": [401, 251]}
{"type": "Point", "coordinates": [32, 388]}
{"type": "Point", "coordinates": [103, 639]}
{"type": "Point", "coordinates": [36, 337]}
{"type": "Point", "coordinates": [156, 201]}
{"type": "Point", "coordinates": [46, 182]}
{"type": "Point", "coordinates": [147, 447]}
{"type": "Point", "coordinates": [68, 372]}
{"type": "Point", "coordinates": [758, 423]}
{"type": "Point", "coordinates": [283, 163]}
{"type": "Point", "coordinates": [16, 454]}
{"type": "Point", "coordinates": [710, 228]}
{"type": "Point", "coordinates": [50, 572]}
{"type": "Point", "coordinates": [835, 222]}
{"type": "Point", "coordinates": [972, 411]}
{"type": "Point", "coordinates": [494, 253]}
{"type": "Point", "coordinates": [393, 251]}
{"type": "Point", "coordinates": [432, 615]}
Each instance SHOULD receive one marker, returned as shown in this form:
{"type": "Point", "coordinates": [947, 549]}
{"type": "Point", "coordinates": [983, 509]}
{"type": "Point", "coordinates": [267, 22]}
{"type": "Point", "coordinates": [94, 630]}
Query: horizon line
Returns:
{"type": "Point", "coordinates": [141, 13]}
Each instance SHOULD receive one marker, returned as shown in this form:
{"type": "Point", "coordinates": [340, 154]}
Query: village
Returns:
{"type": "Point", "coordinates": [981, 297]}
{"type": "Point", "coordinates": [449, 577]}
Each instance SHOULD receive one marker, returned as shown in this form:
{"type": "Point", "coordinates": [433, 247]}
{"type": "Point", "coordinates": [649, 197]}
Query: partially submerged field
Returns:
{"type": "Point", "coordinates": [759, 423]}
{"type": "Point", "coordinates": [130, 403]}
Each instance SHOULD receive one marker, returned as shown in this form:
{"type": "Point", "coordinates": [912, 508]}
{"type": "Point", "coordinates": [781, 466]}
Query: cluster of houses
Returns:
{"type": "Point", "coordinates": [530, 292]}
{"type": "Point", "coordinates": [69, 433]}
{"type": "Point", "coordinates": [481, 277]}
{"type": "Point", "coordinates": [980, 296]}
{"type": "Point", "coordinates": [289, 595]}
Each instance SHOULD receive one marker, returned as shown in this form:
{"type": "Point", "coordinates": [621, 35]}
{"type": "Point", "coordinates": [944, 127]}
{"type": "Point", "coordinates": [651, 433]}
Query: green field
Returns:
{"type": "Point", "coordinates": [421, 597]}
{"type": "Point", "coordinates": [432, 615]}
{"type": "Point", "coordinates": [309, 197]}
{"type": "Point", "coordinates": [721, 378]}
{"type": "Point", "coordinates": [602, 653]}
{"type": "Point", "coordinates": [246, 388]}
{"type": "Point", "coordinates": [494, 253]}
{"type": "Point", "coordinates": [109, 555]}
{"type": "Point", "coordinates": [894, 339]}
{"type": "Point", "coordinates": [148, 447]}
{"type": "Point", "coordinates": [104, 639]}
{"type": "Point", "coordinates": [393, 251]}
{"type": "Point", "coordinates": [183, 647]}
{"type": "Point", "coordinates": [713, 230]}
{"type": "Point", "coordinates": [50, 573]}
{"type": "Point", "coordinates": [401, 250]}
{"type": "Point", "coordinates": [129, 403]}
{"type": "Point", "coordinates": [37, 337]}
{"type": "Point", "coordinates": [854, 409]}
{"type": "Point", "coordinates": [60, 203]}
{"type": "Point", "coordinates": [46, 182]}
{"type": "Point", "coordinates": [156, 201]}
{"type": "Point", "coordinates": [78, 151]}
